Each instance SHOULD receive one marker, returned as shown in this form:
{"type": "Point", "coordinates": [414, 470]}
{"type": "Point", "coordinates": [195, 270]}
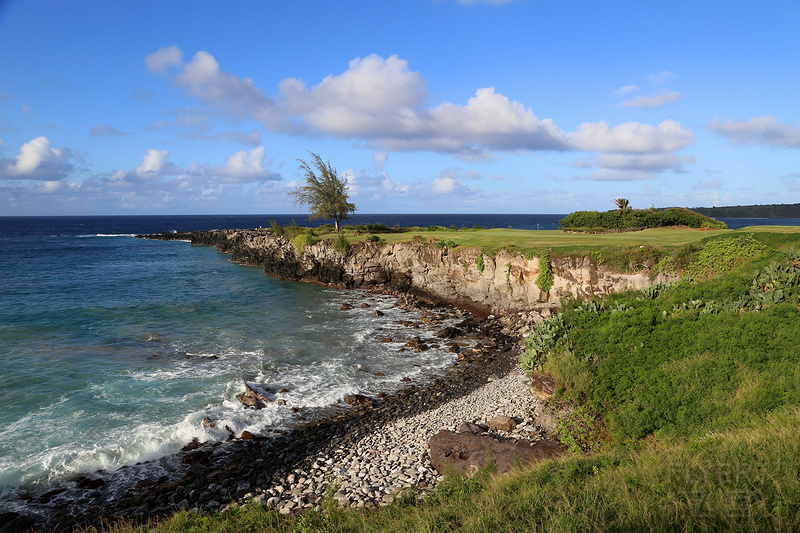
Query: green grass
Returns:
{"type": "Point", "coordinates": [492, 240]}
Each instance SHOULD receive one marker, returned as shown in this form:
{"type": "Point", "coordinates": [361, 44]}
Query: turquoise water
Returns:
{"type": "Point", "coordinates": [113, 349]}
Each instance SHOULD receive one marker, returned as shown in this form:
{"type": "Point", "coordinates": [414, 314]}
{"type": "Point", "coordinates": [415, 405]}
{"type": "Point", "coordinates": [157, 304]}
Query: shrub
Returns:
{"type": "Point", "coordinates": [636, 219]}
{"type": "Point", "coordinates": [545, 278]}
{"type": "Point", "coordinates": [340, 243]}
{"type": "Point", "coordinates": [480, 264]}
{"type": "Point", "coordinates": [576, 429]}
{"type": "Point", "coordinates": [725, 254]}
{"type": "Point", "coordinates": [302, 240]}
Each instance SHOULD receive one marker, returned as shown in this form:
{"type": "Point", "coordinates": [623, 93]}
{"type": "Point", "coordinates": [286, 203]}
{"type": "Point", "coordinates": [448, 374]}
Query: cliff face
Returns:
{"type": "Point", "coordinates": [507, 283]}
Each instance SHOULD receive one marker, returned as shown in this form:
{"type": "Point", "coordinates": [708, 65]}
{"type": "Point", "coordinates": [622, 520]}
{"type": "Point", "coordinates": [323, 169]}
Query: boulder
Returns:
{"type": "Point", "coordinates": [466, 453]}
{"type": "Point", "coordinates": [469, 427]}
{"type": "Point", "coordinates": [542, 387]}
{"type": "Point", "coordinates": [358, 399]}
{"type": "Point", "coordinates": [449, 333]}
{"type": "Point", "coordinates": [365, 305]}
{"type": "Point", "coordinates": [254, 396]}
{"type": "Point", "coordinates": [246, 435]}
{"type": "Point", "coordinates": [208, 423]}
{"type": "Point", "coordinates": [501, 423]}
{"type": "Point", "coordinates": [345, 307]}
{"type": "Point", "coordinates": [379, 313]}
{"type": "Point", "coordinates": [417, 345]}
{"type": "Point", "coordinates": [90, 484]}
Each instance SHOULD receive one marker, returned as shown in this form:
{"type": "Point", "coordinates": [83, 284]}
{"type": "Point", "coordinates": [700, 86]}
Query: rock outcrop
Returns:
{"type": "Point", "coordinates": [505, 284]}
{"type": "Point", "coordinates": [466, 453]}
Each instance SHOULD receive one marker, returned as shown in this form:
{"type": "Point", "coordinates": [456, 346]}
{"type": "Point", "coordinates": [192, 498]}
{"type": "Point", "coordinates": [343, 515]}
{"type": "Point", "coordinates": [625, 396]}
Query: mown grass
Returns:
{"type": "Point", "coordinates": [491, 240]}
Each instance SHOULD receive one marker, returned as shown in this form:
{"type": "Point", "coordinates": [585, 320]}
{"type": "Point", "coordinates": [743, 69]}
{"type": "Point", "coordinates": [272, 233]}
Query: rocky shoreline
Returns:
{"type": "Point", "coordinates": [367, 449]}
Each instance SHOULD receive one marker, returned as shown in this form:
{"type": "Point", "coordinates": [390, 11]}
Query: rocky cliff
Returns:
{"type": "Point", "coordinates": [506, 283]}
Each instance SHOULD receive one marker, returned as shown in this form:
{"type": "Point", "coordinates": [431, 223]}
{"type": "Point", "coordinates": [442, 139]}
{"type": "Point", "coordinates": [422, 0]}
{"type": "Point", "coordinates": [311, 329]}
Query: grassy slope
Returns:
{"type": "Point", "coordinates": [699, 410]}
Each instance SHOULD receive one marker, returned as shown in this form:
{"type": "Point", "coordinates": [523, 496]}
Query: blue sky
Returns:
{"type": "Point", "coordinates": [426, 106]}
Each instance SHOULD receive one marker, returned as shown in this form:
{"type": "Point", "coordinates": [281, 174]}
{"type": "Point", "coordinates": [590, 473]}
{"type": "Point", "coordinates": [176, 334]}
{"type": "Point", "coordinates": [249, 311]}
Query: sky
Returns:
{"type": "Point", "coordinates": [424, 106]}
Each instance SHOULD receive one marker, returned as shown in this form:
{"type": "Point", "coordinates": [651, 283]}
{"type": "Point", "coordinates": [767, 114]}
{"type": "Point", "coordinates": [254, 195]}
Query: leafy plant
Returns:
{"type": "Point", "coordinates": [577, 430]}
{"type": "Point", "coordinates": [325, 192]}
{"type": "Point", "coordinates": [301, 241]}
{"type": "Point", "coordinates": [480, 264]}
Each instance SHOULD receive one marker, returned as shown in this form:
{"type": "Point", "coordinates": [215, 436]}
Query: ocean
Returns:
{"type": "Point", "coordinates": [114, 349]}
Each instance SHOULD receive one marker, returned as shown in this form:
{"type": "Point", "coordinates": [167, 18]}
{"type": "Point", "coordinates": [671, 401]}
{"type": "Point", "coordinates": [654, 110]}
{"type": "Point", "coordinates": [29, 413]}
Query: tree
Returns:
{"type": "Point", "coordinates": [324, 193]}
{"type": "Point", "coordinates": [622, 203]}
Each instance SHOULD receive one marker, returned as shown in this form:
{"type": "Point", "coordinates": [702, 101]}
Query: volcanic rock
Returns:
{"type": "Point", "coordinates": [542, 387]}
{"type": "Point", "coordinates": [467, 453]}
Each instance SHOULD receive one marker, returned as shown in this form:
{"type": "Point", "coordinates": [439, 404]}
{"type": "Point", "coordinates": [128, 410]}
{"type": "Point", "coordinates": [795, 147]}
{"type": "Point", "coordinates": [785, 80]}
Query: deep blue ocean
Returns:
{"type": "Point", "coordinates": [113, 349]}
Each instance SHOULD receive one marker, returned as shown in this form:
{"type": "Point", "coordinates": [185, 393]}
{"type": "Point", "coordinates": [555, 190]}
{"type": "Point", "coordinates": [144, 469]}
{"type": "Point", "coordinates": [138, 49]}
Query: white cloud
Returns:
{"type": "Point", "coordinates": [766, 130]}
{"type": "Point", "coordinates": [631, 137]}
{"type": "Point", "coordinates": [627, 89]}
{"type": "Point", "coordinates": [163, 58]}
{"type": "Point", "coordinates": [380, 158]}
{"type": "Point", "coordinates": [38, 161]}
{"type": "Point", "coordinates": [660, 77]}
{"type": "Point", "coordinates": [661, 99]}
{"type": "Point", "coordinates": [155, 166]}
{"type": "Point", "coordinates": [245, 167]}
{"type": "Point", "coordinates": [25, 109]}
{"type": "Point", "coordinates": [385, 104]}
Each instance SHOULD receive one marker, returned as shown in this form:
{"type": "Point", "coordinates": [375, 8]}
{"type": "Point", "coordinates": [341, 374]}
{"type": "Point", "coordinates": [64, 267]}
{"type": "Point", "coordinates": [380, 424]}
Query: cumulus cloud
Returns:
{"type": "Point", "coordinates": [766, 130]}
{"type": "Point", "coordinates": [628, 137]}
{"type": "Point", "coordinates": [38, 161]}
{"type": "Point", "coordinates": [661, 99]}
{"type": "Point", "coordinates": [245, 167]}
{"type": "Point", "coordinates": [383, 103]}
{"type": "Point", "coordinates": [610, 174]}
{"type": "Point", "coordinates": [163, 58]}
{"type": "Point", "coordinates": [98, 130]}
{"type": "Point", "coordinates": [379, 100]}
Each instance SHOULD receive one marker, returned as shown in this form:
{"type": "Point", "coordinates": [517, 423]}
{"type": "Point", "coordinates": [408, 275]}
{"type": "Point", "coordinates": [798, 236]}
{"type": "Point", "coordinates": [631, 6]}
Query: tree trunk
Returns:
{"type": "Point", "coordinates": [336, 223]}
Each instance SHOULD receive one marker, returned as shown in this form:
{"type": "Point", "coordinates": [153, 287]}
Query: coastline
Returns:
{"type": "Point", "coordinates": [277, 469]}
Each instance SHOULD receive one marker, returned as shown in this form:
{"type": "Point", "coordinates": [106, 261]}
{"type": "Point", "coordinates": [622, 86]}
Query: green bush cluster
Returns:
{"type": "Point", "coordinates": [725, 254]}
{"type": "Point", "coordinates": [576, 429]}
{"type": "Point", "coordinates": [290, 231]}
{"type": "Point", "coordinates": [302, 240]}
{"type": "Point", "coordinates": [636, 219]}
{"type": "Point", "coordinates": [444, 243]}
{"type": "Point", "coordinates": [480, 263]}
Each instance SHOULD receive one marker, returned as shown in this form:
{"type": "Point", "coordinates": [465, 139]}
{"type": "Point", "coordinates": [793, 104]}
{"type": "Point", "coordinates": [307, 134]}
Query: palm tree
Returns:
{"type": "Point", "coordinates": [622, 203]}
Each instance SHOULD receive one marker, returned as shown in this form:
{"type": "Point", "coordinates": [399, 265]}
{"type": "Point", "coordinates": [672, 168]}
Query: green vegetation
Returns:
{"type": "Point", "coordinates": [545, 278]}
{"type": "Point", "coordinates": [626, 219]}
{"type": "Point", "coordinates": [325, 194]}
{"type": "Point", "coordinates": [480, 263]}
{"type": "Point", "coordinates": [340, 243]}
{"type": "Point", "coordinates": [686, 396]}
{"type": "Point", "coordinates": [302, 240]}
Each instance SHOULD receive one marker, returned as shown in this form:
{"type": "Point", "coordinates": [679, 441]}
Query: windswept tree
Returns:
{"type": "Point", "coordinates": [622, 203]}
{"type": "Point", "coordinates": [325, 192]}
